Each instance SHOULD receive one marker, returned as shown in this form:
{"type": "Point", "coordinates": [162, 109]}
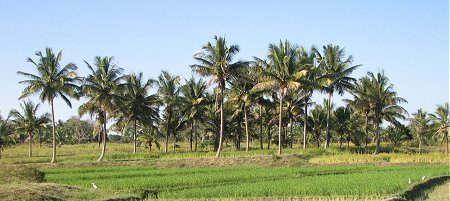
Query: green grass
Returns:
{"type": "Point", "coordinates": [238, 181]}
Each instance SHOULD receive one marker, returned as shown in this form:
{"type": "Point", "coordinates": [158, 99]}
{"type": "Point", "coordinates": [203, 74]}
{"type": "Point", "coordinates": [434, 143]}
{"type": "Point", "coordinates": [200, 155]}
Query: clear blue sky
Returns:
{"type": "Point", "coordinates": [408, 39]}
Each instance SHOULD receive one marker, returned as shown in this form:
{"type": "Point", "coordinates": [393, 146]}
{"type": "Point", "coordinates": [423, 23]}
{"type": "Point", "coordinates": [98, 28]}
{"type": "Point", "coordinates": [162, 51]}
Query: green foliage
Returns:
{"type": "Point", "coordinates": [241, 181]}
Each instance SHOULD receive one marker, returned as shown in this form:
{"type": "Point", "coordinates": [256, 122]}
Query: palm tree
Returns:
{"type": "Point", "coordinates": [419, 125]}
{"type": "Point", "coordinates": [217, 61]}
{"type": "Point", "coordinates": [136, 105]}
{"type": "Point", "coordinates": [149, 136]}
{"type": "Point", "coordinates": [168, 91]}
{"type": "Point", "coordinates": [361, 103]}
{"type": "Point", "coordinates": [336, 75]}
{"type": "Point", "coordinates": [102, 88]}
{"type": "Point", "coordinates": [282, 73]}
{"type": "Point", "coordinates": [441, 121]}
{"type": "Point", "coordinates": [384, 103]}
{"type": "Point", "coordinates": [52, 81]}
{"type": "Point", "coordinates": [194, 105]}
{"type": "Point", "coordinates": [316, 122]}
{"type": "Point", "coordinates": [310, 82]}
{"type": "Point", "coordinates": [241, 85]}
{"type": "Point", "coordinates": [342, 121]}
{"type": "Point", "coordinates": [28, 122]}
{"type": "Point", "coordinates": [5, 132]}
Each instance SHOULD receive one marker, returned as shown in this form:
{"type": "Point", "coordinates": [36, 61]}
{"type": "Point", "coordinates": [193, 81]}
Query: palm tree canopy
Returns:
{"type": "Point", "coordinates": [28, 121]}
{"type": "Point", "coordinates": [135, 104]}
{"type": "Point", "coordinates": [336, 69]}
{"type": "Point", "coordinates": [216, 60]}
{"type": "Point", "coordinates": [101, 86]}
{"type": "Point", "coordinates": [441, 118]}
{"type": "Point", "coordinates": [52, 80]}
{"type": "Point", "coordinates": [282, 70]}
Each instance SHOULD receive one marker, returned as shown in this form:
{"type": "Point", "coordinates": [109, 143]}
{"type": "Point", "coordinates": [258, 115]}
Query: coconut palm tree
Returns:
{"type": "Point", "coordinates": [216, 60]}
{"type": "Point", "coordinates": [5, 133]}
{"type": "Point", "coordinates": [310, 82]}
{"type": "Point", "coordinates": [28, 122]}
{"type": "Point", "coordinates": [280, 72]}
{"type": "Point", "coordinates": [102, 88]}
{"type": "Point", "coordinates": [194, 103]}
{"type": "Point", "coordinates": [361, 102]}
{"type": "Point", "coordinates": [336, 70]}
{"type": "Point", "coordinates": [241, 85]}
{"type": "Point", "coordinates": [149, 136]}
{"type": "Point", "coordinates": [316, 122]}
{"type": "Point", "coordinates": [52, 81]}
{"type": "Point", "coordinates": [384, 103]}
{"type": "Point", "coordinates": [341, 122]}
{"type": "Point", "coordinates": [419, 125]}
{"type": "Point", "coordinates": [441, 122]}
{"type": "Point", "coordinates": [168, 89]}
{"type": "Point", "coordinates": [136, 105]}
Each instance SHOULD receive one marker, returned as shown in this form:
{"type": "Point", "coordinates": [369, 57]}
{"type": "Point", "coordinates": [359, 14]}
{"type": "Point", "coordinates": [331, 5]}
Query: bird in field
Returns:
{"type": "Point", "coordinates": [94, 186]}
{"type": "Point", "coordinates": [423, 178]}
{"type": "Point", "coordinates": [409, 181]}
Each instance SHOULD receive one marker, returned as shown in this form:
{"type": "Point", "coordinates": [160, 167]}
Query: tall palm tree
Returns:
{"type": "Point", "coordinates": [282, 73]}
{"type": "Point", "coordinates": [216, 60]}
{"type": "Point", "coordinates": [419, 125]}
{"type": "Point", "coordinates": [194, 105]}
{"type": "Point", "coordinates": [336, 70]}
{"type": "Point", "coordinates": [136, 105]}
{"type": "Point", "coordinates": [28, 122]}
{"type": "Point", "coordinates": [241, 85]}
{"type": "Point", "coordinates": [310, 82]}
{"type": "Point", "coordinates": [441, 121]}
{"type": "Point", "coordinates": [361, 102]}
{"type": "Point", "coordinates": [52, 81]}
{"type": "Point", "coordinates": [384, 103]}
{"type": "Point", "coordinates": [102, 88]}
{"type": "Point", "coordinates": [168, 91]}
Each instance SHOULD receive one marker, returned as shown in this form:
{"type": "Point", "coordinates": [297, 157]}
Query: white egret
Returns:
{"type": "Point", "coordinates": [94, 186]}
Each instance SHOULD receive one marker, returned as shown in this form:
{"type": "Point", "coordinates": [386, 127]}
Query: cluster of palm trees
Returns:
{"type": "Point", "coordinates": [245, 97]}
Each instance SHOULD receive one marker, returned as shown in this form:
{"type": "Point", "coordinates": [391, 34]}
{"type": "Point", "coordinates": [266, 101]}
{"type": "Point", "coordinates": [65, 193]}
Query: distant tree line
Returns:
{"type": "Point", "coordinates": [267, 100]}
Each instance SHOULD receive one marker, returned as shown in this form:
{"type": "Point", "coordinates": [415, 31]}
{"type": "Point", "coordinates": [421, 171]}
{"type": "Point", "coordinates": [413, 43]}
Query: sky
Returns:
{"type": "Point", "coordinates": [408, 39]}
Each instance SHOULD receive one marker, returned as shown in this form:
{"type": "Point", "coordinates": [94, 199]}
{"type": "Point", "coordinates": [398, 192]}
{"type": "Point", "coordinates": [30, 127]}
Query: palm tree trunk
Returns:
{"type": "Point", "coordinates": [219, 148]}
{"type": "Point", "coordinates": [190, 135]}
{"type": "Point", "coordinates": [247, 138]}
{"type": "Point", "coordinates": [269, 136]}
{"type": "Point", "coordinates": [174, 141]}
{"type": "Point", "coordinates": [305, 124]}
{"type": "Point", "coordinates": [420, 144]}
{"type": "Point", "coordinates": [279, 123]}
{"type": "Point", "coordinates": [195, 136]}
{"type": "Point", "coordinates": [54, 133]}
{"type": "Point", "coordinates": [167, 130]}
{"type": "Point", "coordinates": [446, 143]}
{"type": "Point", "coordinates": [327, 143]}
{"type": "Point", "coordinates": [291, 132]}
{"type": "Point", "coordinates": [260, 127]}
{"type": "Point", "coordinates": [377, 132]}
{"type": "Point", "coordinates": [30, 152]}
{"type": "Point", "coordinates": [134, 137]}
{"type": "Point", "coordinates": [103, 139]}
{"type": "Point", "coordinates": [366, 129]}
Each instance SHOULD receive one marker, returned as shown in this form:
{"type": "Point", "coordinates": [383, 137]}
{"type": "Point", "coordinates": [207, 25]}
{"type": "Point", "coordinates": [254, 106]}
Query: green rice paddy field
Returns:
{"type": "Point", "coordinates": [223, 182]}
{"type": "Point", "coordinates": [312, 174]}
